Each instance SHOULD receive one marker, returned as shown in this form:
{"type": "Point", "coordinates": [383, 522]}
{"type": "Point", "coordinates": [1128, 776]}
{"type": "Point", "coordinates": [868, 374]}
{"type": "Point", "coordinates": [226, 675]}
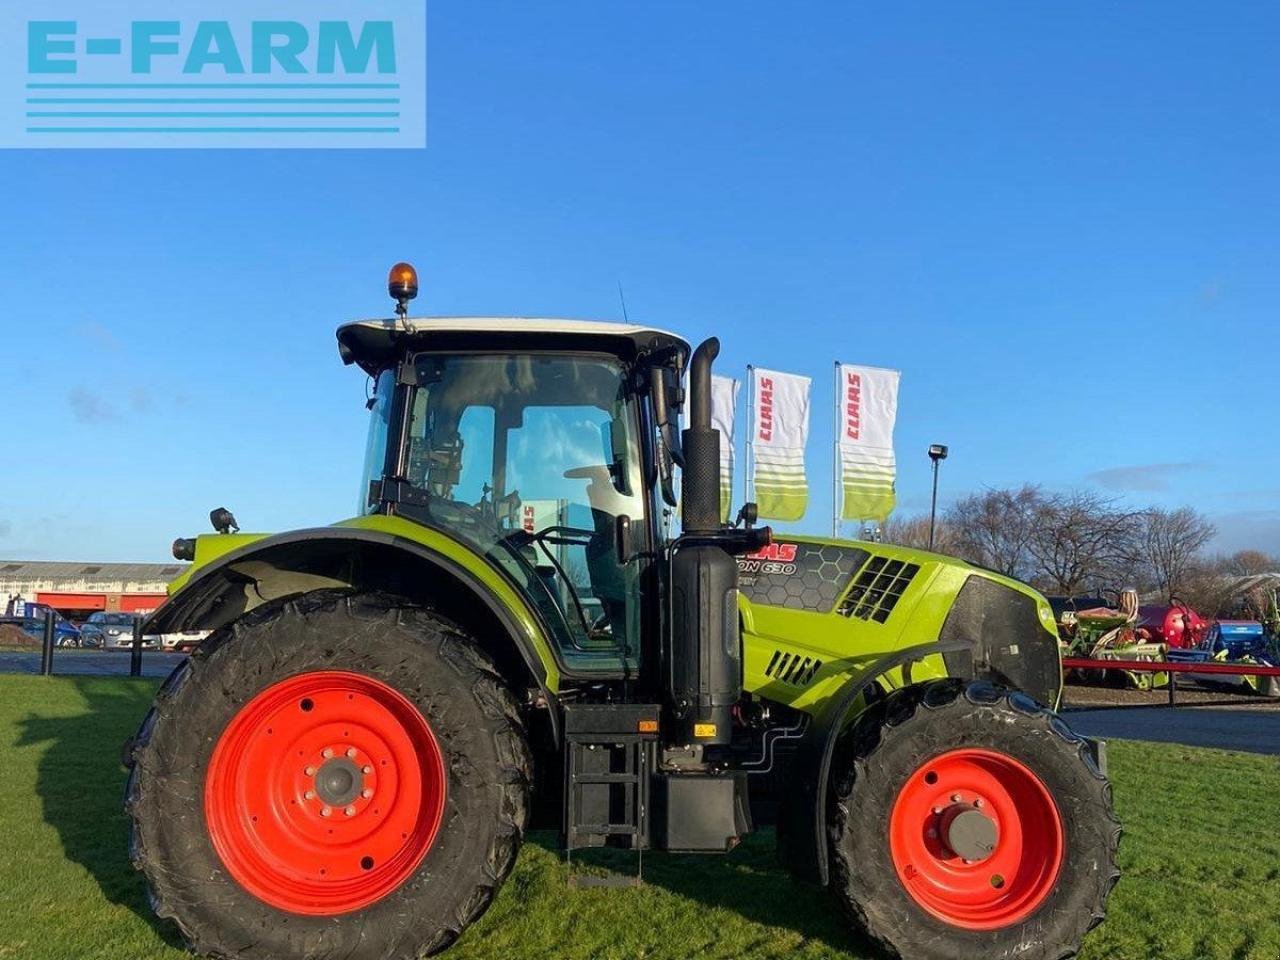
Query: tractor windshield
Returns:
{"type": "Point", "coordinates": [531, 458]}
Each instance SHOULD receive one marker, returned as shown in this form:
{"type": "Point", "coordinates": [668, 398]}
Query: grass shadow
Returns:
{"type": "Point", "coordinates": [748, 882]}
{"type": "Point", "coordinates": [80, 782]}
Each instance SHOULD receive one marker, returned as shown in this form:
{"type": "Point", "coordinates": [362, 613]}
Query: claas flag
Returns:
{"type": "Point", "coordinates": [779, 432]}
{"type": "Point", "coordinates": [866, 409]}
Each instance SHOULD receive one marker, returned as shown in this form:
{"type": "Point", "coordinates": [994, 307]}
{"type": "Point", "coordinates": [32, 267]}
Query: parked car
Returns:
{"type": "Point", "coordinates": [105, 630]}
{"type": "Point", "coordinates": [65, 633]}
{"type": "Point", "coordinates": [183, 641]}
{"type": "Point", "coordinates": [124, 641]}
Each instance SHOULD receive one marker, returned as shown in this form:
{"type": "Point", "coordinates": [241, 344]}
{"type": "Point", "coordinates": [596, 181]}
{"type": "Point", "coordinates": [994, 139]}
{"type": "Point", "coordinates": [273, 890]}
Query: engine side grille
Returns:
{"type": "Point", "coordinates": [792, 668]}
{"type": "Point", "coordinates": [878, 588]}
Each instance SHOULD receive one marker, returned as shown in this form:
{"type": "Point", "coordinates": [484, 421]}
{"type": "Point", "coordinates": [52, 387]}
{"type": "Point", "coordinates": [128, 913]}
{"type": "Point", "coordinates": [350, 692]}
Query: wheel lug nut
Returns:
{"type": "Point", "coordinates": [309, 795]}
{"type": "Point", "coordinates": [310, 771]}
{"type": "Point", "coordinates": [367, 793]}
{"type": "Point", "coordinates": [955, 798]}
{"type": "Point", "coordinates": [325, 811]}
{"type": "Point", "coordinates": [937, 811]}
{"type": "Point", "coordinates": [326, 753]}
{"type": "Point", "coordinates": [366, 769]}
{"type": "Point", "coordinates": [350, 811]}
{"type": "Point", "coordinates": [978, 802]}
{"type": "Point", "coordinates": [351, 751]}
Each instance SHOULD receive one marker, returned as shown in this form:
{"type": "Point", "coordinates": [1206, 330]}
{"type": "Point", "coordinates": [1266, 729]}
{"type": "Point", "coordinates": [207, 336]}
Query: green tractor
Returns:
{"type": "Point", "coordinates": [507, 637]}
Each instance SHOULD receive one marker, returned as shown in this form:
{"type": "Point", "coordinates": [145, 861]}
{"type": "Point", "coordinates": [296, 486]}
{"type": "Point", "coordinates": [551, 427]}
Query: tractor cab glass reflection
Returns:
{"type": "Point", "coordinates": [531, 458]}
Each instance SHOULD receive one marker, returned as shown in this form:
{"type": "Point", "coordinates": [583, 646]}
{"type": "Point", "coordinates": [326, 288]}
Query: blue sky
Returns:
{"type": "Point", "coordinates": [1059, 221]}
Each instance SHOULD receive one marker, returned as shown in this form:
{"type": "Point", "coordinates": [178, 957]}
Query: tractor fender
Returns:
{"type": "Point", "coordinates": [348, 557]}
{"type": "Point", "coordinates": [802, 827]}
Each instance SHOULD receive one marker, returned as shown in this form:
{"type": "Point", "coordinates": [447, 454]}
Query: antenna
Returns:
{"type": "Point", "coordinates": [623, 298]}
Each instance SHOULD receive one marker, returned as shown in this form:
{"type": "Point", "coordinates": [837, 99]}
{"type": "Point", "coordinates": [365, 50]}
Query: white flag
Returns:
{"type": "Point", "coordinates": [724, 401]}
{"type": "Point", "coordinates": [866, 409]}
{"type": "Point", "coordinates": [779, 432]}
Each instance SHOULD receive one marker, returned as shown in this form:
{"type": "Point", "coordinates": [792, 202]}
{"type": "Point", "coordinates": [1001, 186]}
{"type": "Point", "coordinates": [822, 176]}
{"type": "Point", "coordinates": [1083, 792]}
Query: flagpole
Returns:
{"type": "Point", "coordinates": [747, 455]}
{"type": "Point", "coordinates": [837, 428]}
{"type": "Point", "coordinates": [736, 429]}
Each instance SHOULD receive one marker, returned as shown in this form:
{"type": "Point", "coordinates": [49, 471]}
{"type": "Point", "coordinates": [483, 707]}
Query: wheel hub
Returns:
{"type": "Point", "coordinates": [969, 833]}
{"type": "Point", "coordinates": [338, 782]}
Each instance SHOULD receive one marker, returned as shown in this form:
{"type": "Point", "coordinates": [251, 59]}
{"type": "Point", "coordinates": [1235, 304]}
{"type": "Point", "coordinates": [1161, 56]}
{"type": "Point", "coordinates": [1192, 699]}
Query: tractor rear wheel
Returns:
{"type": "Point", "coordinates": [968, 821]}
{"type": "Point", "coordinates": [330, 776]}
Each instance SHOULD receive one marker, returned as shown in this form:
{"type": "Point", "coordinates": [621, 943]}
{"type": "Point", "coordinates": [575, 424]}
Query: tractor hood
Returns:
{"type": "Point", "coordinates": [835, 597]}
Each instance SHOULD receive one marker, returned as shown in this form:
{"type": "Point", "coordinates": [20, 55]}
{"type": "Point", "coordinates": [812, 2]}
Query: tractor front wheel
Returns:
{"type": "Point", "coordinates": [968, 821]}
{"type": "Point", "coordinates": [332, 776]}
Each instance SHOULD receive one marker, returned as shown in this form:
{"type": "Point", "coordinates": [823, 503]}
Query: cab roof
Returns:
{"type": "Point", "coordinates": [372, 344]}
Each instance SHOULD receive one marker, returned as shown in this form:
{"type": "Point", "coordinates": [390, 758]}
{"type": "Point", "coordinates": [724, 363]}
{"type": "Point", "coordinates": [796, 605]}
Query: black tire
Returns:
{"type": "Point", "coordinates": [472, 714]}
{"type": "Point", "coordinates": [890, 743]}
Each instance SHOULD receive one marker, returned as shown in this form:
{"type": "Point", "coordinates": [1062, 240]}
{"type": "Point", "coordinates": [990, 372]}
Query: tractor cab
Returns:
{"type": "Point", "coordinates": [533, 441]}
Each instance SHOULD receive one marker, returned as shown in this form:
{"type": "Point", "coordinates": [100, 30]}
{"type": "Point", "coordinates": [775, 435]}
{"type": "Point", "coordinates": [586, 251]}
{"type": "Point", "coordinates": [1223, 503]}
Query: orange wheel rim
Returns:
{"type": "Point", "coordinates": [976, 839]}
{"type": "Point", "coordinates": [325, 792]}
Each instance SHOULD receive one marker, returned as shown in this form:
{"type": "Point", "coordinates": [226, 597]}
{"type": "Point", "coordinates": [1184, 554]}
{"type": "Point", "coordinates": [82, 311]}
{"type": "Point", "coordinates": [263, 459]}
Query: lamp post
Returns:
{"type": "Point", "coordinates": [937, 453]}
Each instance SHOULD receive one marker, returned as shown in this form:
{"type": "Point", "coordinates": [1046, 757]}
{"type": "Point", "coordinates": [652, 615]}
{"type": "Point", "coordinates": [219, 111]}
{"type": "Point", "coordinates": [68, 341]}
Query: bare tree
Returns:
{"type": "Point", "coordinates": [1245, 563]}
{"type": "Point", "coordinates": [1081, 541]}
{"type": "Point", "coordinates": [914, 532]}
{"type": "Point", "coordinates": [1171, 540]}
{"type": "Point", "coordinates": [1224, 584]}
{"type": "Point", "coordinates": [994, 528]}
{"type": "Point", "coordinates": [1204, 586]}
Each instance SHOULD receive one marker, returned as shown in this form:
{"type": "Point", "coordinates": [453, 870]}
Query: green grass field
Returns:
{"type": "Point", "coordinates": [1200, 856]}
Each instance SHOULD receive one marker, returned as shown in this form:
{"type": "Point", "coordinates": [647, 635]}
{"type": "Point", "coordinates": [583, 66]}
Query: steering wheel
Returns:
{"type": "Point", "coordinates": [552, 534]}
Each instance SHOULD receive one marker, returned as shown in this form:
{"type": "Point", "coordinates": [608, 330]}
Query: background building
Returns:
{"type": "Point", "coordinates": [77, 589]}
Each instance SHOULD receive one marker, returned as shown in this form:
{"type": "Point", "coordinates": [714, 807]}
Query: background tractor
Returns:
{"type": "Point", "coordinates": [504, 637]}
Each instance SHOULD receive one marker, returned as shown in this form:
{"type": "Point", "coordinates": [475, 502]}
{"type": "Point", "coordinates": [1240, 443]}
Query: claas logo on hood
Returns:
{"type": "Point", "coordinates": [779, 552]}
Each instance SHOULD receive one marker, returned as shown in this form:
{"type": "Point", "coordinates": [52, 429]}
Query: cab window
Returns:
{"type": "Point", "coordinates": [532, 459]}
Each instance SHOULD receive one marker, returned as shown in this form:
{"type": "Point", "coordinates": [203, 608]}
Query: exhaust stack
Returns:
{"type": "Point", "coordinates": [701, 443]}
{"type": "Point", "coordinates": [706, 647]}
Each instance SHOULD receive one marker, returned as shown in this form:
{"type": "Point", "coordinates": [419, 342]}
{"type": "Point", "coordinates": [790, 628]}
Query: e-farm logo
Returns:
{"type": "Point", "coordinates": [215, 73]}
